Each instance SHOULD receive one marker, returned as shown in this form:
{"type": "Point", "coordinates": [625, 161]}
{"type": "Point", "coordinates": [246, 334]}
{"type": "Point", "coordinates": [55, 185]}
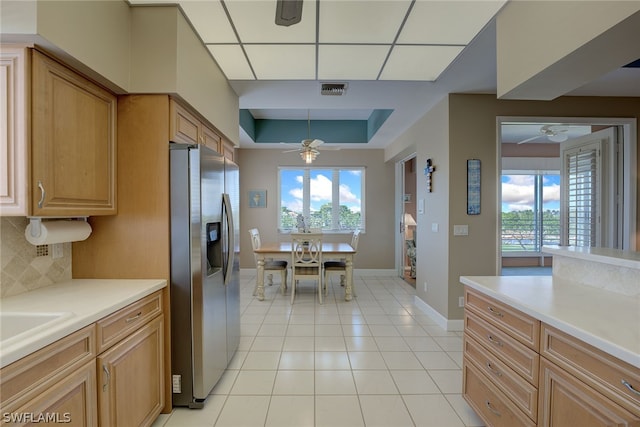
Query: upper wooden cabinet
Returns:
{"type": "Point", "coordinates": [14, 127]}
{"type": "Point", "coordinates": [73, 143]}
{"type": "Point", "coordinates": [186, 128]}
{"type": "Point", "coordinates": [229, 150]}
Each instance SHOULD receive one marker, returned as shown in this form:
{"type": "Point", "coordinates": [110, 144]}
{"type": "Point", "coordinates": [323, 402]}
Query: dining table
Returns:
{"type": "Point", "coordinates": [282, 251]}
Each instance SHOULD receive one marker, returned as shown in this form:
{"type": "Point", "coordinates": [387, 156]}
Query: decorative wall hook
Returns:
{"type": "Point", "coordinates": [428, 171]}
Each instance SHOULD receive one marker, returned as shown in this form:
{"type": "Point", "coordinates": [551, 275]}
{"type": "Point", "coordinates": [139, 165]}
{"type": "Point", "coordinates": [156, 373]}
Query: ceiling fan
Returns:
{"type": "Point", "coordinates": [554, 133]}
{"type": "Point", "coordinates": [309, 147]}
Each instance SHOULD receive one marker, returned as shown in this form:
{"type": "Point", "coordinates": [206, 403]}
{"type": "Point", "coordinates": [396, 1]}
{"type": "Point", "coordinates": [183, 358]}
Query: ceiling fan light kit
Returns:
{"type": "Point", "coordinates": [288, 12]}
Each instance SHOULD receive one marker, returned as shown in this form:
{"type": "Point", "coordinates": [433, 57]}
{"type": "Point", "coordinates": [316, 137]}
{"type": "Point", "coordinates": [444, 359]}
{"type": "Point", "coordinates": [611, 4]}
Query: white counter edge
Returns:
{"type": "Point", "coordinates": [588, 337]}
{"type": "Point", "coordinates": [613, 257]}
{"type": "Point", "coordinates": [139, 288]}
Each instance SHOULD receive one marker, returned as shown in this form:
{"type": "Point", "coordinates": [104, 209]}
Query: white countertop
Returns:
{"type": "Point", "coordinates": [607, 320]}
{"type": "Point", "coordinates": [88, 300]}
{"type": "Point", "coordinates": [615, 257]}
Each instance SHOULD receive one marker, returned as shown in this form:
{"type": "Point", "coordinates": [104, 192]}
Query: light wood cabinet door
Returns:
{"type": "Point", "coordinates": [130, 378]}
{"type": "Point", "coordinates": [70, 401]}
{"type": "Point", "coordinates": [14, 161]}
{"type": "Point", "coordinates": [184, 127]}
{"type": "Point", "coordinates": [73, 141]}
{"type": "Point", "coordinates": [211, 139]}
{"type": "Point", "coordinates": [567, 401]}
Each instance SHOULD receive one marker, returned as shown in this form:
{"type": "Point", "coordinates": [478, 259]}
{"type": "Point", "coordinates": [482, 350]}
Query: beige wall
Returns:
{"type": "Point", "coordinates": [538, 58]}
{"type": "Point", "coordinates": [259, 169]}
{"type": "Point", "coordinates": [459, 128]}
{"type": "Point", "coordinates": [129, 50]}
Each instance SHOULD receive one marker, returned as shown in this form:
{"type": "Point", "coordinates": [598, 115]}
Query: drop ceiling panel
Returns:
{"type": "Point", "coordinates": [289, 62]}
{"type": "Point", "coordinates": [255, 23]}
{"type": "Point", "coordinates": [232, 61]}
{"type": "Point", "coordinates": [210, 21]}
{"type": "Point", "coordinates": [453, 22]}
{"type": "Point", "coordinates": [361, 21]}
{"type": "Point", "coordinates": [350, 62]}
{"type": "Point", "coordinates": [418, 62]}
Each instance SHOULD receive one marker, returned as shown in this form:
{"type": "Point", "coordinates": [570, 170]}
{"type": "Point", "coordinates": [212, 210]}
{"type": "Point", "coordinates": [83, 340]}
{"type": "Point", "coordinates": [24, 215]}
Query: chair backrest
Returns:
{"type": "Point", "coordinates": [255, 238]}
{"type": "Point", "coordinates": [355, 238]}
{"type": "Point", "coordinates": [306, 249]}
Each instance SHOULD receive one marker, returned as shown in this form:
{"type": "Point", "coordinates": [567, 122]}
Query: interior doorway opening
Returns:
{"type": "Point", "coordinates": [535, 190]}
{"type": "Point", "coordinates": [408, 222]}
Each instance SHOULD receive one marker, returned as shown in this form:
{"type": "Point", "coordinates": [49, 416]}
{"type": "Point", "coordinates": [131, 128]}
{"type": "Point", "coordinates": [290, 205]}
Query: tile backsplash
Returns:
{"type": "Point", "coordinates": [23, 265]}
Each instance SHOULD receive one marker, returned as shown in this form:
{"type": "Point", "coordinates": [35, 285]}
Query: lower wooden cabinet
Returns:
{"type": "Point", "coordinates": [69, 382]}
{"type": "Point", "coordinates": [71, 401]}
{"type": "Point", "coordinates": [567, 401]}
{"type": "Point", "coordinates": [510, 362]}
{"type": "Point", "coordinates": [130, 378]}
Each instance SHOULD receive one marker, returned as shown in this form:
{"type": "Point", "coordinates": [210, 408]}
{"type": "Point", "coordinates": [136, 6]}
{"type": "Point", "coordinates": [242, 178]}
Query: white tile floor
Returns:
{"type": "Point", "coordinates": [374, 361]}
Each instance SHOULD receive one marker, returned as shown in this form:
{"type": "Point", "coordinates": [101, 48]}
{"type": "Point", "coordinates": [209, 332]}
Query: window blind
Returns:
{"type": "Point", "coordinates": [583, 195]}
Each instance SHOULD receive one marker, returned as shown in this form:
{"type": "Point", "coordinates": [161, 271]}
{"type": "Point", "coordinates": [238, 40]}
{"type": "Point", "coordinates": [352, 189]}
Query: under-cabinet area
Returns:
{"type": "Point", "coordinates": [108, 371]}
{"type": "Point", "coordinates": [530, 359]}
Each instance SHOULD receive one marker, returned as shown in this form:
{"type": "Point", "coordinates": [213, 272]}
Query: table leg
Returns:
{"type": "Point", "coordinates": [348, 279]}
{"type": "Point", "coordinates": [260, 279]}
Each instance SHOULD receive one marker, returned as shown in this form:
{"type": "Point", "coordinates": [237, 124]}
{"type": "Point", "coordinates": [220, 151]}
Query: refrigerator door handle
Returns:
{"type": "Point", "coordinates": [228, 214]}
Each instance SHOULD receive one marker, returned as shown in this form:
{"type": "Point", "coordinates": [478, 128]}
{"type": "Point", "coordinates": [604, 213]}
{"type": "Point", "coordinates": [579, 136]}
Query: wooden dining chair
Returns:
{"type": "Point", "coordinates": [306, 260]}
{"type": "Point", "coordinates": [340, 266]}
{"type": "Point", "coordinates": [269, 265]}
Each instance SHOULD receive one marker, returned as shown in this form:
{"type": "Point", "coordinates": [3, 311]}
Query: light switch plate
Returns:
{"type": "Point", "coordinates": [434, 227]}
{"type": "Point", "coordinates": [460, 230]}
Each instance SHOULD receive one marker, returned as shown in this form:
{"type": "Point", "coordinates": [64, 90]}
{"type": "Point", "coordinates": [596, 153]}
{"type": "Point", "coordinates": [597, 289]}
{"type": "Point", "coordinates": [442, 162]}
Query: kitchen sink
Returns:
{"type": "Point", "coordinates": [16, 325]}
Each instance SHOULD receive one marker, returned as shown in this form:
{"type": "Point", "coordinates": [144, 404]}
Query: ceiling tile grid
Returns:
{"type": "Point", "coordinates": [412, 40]}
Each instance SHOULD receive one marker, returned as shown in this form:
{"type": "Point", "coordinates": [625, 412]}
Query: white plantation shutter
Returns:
{"type": "Point", "coordinates": [582, 185]}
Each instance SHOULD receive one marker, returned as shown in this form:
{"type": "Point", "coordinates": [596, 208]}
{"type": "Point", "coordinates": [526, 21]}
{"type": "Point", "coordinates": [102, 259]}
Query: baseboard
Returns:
{"type": "Point", "coordinates": [451, 325]}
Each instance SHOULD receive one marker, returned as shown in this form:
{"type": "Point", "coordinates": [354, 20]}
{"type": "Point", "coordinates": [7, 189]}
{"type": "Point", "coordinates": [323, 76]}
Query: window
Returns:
{"type": "Point", "coordinates": [331, 199]}
{"type": "Point", "coordinates": [530, 211]}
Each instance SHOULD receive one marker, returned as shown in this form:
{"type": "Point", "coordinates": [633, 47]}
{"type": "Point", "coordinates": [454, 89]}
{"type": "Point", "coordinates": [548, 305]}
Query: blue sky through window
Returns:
{"type": "Point", "coordinates": [321, 188]}
{"type": "Point", "coordinates": [518, 192]}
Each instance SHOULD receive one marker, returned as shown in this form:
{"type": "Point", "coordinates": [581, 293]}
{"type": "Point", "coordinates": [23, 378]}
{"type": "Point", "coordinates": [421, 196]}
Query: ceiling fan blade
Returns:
{"type": "Point", "coordinates": [530, 139]}
{"type": "Point", "coordinates": [316, 142]}
{"type": "Point", "coordinates": [291, 151]}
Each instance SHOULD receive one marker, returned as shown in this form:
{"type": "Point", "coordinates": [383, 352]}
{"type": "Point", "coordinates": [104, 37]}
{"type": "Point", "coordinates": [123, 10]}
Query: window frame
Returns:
{"type": "Point", "coordinates": [335, 195]}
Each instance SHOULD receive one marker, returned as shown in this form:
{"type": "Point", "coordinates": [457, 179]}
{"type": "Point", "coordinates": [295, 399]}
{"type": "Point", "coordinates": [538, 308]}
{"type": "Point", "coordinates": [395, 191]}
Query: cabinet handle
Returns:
{"type": "Point", "coordinates": [630, 387]}
{"type": "Point", "coordinates": [131, 319]}
{"type": "Point", "coordinates": [492, 409]}
{"type": "Point", "coordinates": [494, 341]}
{"type": "Point", "coordinates": [494, 371]}
{"type": "Point", "coordinates": [495, 312]}
{"type": "Point", "coordinates": [108, 378]}
{"type": "Point", "coordinates": [42, 194]}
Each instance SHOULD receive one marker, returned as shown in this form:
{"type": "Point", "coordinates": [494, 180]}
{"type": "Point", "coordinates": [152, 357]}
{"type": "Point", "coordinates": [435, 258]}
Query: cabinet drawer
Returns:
{"type": "Point", "coordinates": [570, 402]}
{"type": "Point", "coordinates": [520, 358]}
{"type": "Point", "coordinates": [523, 394]}
{"type": "Point", "coordinates": [488, 401]}
{"type": "Point", "coordinates": [521, 326]}
{"type": "Point", "coordinates": [48, 364]}
{"type": "Point", "coordinates": [113, 328]}
{"type": "Point", "coordinates": [601, 371]}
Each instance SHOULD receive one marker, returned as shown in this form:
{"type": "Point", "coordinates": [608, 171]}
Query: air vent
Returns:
{"type": "Point", "coordinates": [334, 89]}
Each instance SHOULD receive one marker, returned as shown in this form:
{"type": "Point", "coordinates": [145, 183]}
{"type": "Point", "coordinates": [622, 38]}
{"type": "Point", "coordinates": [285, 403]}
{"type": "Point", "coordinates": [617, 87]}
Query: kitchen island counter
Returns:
{"type": "Point", "coordinates": [609, 321]}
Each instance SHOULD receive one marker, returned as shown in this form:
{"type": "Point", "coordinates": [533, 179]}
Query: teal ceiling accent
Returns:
{"type": "Point", "coordinates": [330, 131]}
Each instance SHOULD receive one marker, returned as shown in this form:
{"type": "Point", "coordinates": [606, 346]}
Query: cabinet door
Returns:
{"type": "Point", "coordinates": [70, 401]}
{"type": "Point", "coordinates": [14, 167]}
{"type": "Point", "coordinates": [130, 378]}
{"type": "Point", "coordinates": [73, 155]}
{"type": "Point", "coordinates": [567, 401]}
{"type": "Point", "coordinates": [211, 139]}
{"type": "Point", "coordinates": [184, 127]}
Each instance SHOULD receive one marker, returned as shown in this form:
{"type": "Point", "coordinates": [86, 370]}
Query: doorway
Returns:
{"type": "Point", "coordinates": [534, 191]}
{"type": "Point", "coordinates": [408, 222]}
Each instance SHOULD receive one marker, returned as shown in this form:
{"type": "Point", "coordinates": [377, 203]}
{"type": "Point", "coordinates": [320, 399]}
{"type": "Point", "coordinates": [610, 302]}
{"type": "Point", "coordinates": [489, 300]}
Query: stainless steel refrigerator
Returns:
{"type": "Point", "coordinates": [205, 295]}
